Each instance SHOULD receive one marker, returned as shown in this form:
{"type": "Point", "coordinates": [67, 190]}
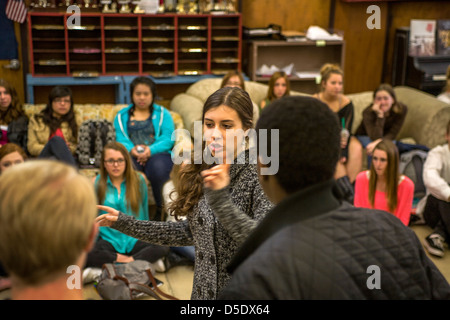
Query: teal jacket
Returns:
{"type": "Point", "coordinates": [121, 242]}
{"type": "Point", "coordinates": [162, 123]}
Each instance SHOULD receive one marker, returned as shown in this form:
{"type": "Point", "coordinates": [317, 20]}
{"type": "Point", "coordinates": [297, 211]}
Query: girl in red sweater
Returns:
{"type": "Point", "coordinates": [382, 187]}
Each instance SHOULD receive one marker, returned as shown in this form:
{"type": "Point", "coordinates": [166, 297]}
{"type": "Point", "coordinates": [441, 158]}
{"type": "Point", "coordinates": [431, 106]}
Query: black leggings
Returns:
{"type": "Point", "coordinates": [104, 252]}
{"type": "Point", "coordinates": [437, 215]}
{"type": "Point", "coordinates": [56, 148]}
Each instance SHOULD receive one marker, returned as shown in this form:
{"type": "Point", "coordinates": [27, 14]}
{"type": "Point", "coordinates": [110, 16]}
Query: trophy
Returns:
{"type": "Point", "coordinates": [64, 4]}
{"type": "Point", "coordinates": [137, 9]}
{"type": "Point", "coordinates": [39, 5]}
{"type": "Point", "coordinates": [170, 5]}
{"type": "Point", "coordinates": [193, 6]}
{"type": "Point", "coordinates": [108, 6]}
{"type": "Point", "coordinates": [181, 6]}
{"type": "Point", "coordinates": [204, 6]}
{"type": "Point", "coordinates": [124, 6]}
{"type": "Point", "coordinates": [230, 6]}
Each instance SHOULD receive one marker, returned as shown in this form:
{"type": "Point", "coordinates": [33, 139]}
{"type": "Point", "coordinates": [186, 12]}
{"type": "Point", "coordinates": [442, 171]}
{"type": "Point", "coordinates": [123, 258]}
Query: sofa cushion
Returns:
{"type": "Point", "coordinates": [83, 112]}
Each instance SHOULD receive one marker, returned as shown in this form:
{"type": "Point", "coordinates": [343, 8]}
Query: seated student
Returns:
{"type": "Point", "coordinates": [119, 185]}
{"type": "Point", "coordinates": [53, 132]}
{"type": "Point", "coordinates": [13, 121]}
{"type": "Point", "coordinates": [312, 245]}
{"type": "Point", "coordinates": [233, 79]}
{"type": "Point", "coordinates": [436, 177]}
{"type": "Point", "coordinates": [145, 129]}
{"type": "Point", "coordinates": [382, 187]}
{"type": "Point", "coordinates": [10, 155]}
{"type": "Point", "coordinates": [236, 79]}
{"type": "Point", "coordinates": [381, 119]}
{"type": "Point", "coordinates": [45, 248]}
{"type": "Point", "coordinates": [279, 86]}
{"type": "Point", "coordinates": [350, 163]}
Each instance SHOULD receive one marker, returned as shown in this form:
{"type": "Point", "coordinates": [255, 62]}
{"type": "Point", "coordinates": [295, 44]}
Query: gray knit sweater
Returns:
{"type": "Point", "coordinates": [219, 224]}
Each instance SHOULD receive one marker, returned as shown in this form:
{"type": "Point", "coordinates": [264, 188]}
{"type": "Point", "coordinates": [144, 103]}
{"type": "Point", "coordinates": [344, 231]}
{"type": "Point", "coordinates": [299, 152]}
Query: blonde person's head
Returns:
{"type": "Point", "coordinates": [47, 213]}
{"type": "Point", "coordinates": [326, 71]}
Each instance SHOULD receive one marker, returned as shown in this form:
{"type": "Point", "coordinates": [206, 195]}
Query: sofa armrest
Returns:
{"type": "Point", "coordinates": [427, 116]}
{"type": "Point", "coordinates": [189, 108]}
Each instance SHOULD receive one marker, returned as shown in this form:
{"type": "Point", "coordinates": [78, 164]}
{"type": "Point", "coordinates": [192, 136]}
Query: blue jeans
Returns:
{"type": "Point", "coordinates": [157, 170]}
{"type": "Point", "coordinates": [365, 140]}
{"type": "Point", "coordinates": [187, 252]}
{"type": "Point", "coordinates": [56, 148]}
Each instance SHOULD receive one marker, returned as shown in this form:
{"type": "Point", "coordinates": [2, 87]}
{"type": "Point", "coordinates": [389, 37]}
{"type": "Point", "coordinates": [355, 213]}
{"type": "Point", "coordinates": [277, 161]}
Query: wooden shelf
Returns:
{"type": "Point", "coordinates": [158, 44]}
{"type": "Point", "coordinates": [307, 56]}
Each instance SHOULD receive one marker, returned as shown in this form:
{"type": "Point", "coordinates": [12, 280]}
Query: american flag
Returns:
{"type": "Point", "coordinates": [16, 10]}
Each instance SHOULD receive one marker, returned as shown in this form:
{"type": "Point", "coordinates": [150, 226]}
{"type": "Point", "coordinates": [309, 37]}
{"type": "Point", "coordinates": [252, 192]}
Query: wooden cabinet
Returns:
{"type": "Point", "coordinates": [306, 56]}
{"type": "Point", "coordinates": [161, 45]}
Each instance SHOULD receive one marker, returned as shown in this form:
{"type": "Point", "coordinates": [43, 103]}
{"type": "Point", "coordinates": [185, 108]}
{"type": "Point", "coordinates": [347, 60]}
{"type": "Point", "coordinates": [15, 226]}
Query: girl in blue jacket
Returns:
{"type": "Point", "coordinates": [119, 185]}
{"type": "Point", "coordinates": [145, 129]}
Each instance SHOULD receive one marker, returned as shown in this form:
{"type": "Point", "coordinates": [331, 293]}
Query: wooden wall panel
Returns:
{"type": "Point", "coordinates": [364, 46]}
{"type": "Point", "coordinates": [291, 15]}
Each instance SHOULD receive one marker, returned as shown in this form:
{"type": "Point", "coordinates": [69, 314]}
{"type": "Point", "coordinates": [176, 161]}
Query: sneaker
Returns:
{"type": "Point", "coordinates": [434, 244]}
{"type": "Point", "coordinates": [159, 265]}
{"type": "Point", "coordinates": [91, 275]}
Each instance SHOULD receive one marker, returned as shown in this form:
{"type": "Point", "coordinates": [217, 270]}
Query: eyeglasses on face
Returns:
{"type": "Point", "coordinates": [112, 162]}
{"type": "Point", "coordinates": [61, 100]}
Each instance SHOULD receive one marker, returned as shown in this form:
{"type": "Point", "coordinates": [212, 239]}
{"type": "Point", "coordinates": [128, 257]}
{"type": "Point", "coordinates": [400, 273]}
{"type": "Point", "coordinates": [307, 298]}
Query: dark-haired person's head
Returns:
{"type": "Point", "coordinates": [138, 83]}
{"type": "Point", "coordinates": [308, 141]}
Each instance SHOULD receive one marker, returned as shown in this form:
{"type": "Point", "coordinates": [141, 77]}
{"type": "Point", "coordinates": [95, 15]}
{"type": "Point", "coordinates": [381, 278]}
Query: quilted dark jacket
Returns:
{"type": "Point", "coordinates": [312, 246]}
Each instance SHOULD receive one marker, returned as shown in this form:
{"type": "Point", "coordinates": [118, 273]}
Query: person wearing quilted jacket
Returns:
{"type": "Point", "coordinates": [313, 245]}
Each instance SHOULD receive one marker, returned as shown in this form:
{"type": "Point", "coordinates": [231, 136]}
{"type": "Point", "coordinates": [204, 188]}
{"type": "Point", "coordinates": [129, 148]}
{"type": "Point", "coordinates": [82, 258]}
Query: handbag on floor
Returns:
{"type": "Point", "coordinates": [129, 281]}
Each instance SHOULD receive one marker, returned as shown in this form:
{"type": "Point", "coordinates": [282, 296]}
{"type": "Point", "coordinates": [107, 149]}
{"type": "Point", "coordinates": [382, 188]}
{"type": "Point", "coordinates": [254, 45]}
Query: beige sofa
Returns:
{"type": "Point", "coordinates": [85, 112]}
{"type": "Point", "coordinates": [425, 123]}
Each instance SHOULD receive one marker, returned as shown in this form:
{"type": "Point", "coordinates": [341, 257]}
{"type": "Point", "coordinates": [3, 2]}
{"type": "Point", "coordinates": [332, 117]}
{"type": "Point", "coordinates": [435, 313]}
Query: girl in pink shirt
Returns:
{"type": "Point", "coordinates": [382, 187]}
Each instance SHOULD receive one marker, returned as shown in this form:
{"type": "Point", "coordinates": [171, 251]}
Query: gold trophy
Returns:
{"type": "Point", "coordinates": [108, 6]}
{"type": "Point", "coordinates": [125, 6]}
{"type": "Point", "coordinates": [137, 9]}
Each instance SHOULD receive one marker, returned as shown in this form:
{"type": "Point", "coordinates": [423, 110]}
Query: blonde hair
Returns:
{"type": "Point", "coordinates": [327, 70]}
{"type": "Point", "coordinates": [46, 221]}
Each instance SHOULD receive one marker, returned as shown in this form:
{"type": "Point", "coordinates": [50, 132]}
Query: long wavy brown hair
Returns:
{"type": "Point", "coordinates": [15, 109]}
{"type": "Point", "coordinates": [188, 182]}
{"type": "Point", "coordinates": [277, 75]}
{"type": "Point", "coordinates": [392, 174]}
{"type": "Point", "coordinates": [134, 193]}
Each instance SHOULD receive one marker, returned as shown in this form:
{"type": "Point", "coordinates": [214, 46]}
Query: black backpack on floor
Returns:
{"type": "Point", "coordinates": [411, 165]}
{"type": "Point", "coordinates": [93, 135]}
